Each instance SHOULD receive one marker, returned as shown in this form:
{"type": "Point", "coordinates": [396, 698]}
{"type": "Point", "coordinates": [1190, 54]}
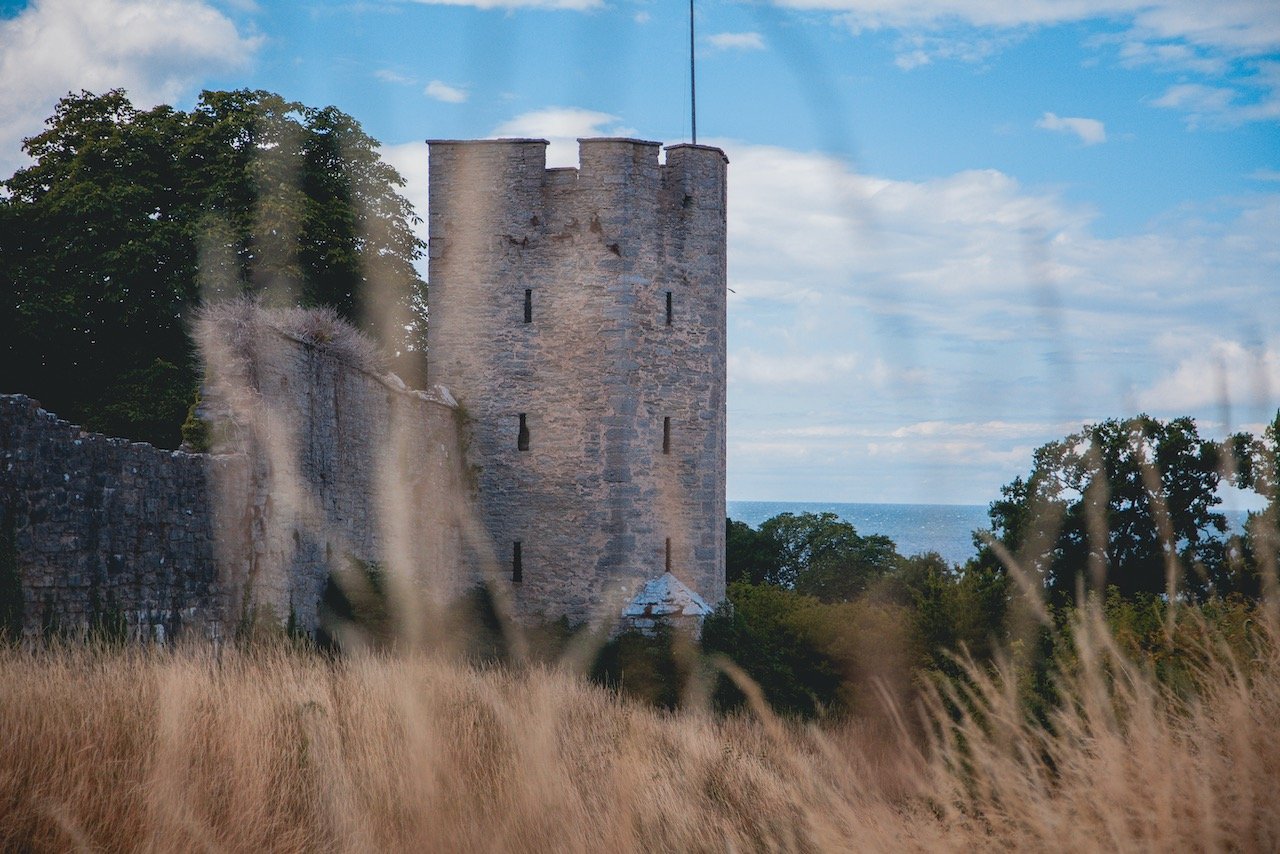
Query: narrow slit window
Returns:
{"type": "Point", "coordinates": [522, 438]}
{"type": "Point", "coordinates": [668, 561]}
{"type": "Point", "coordinates": [528, 305]}
{"type": "Point", "coordinates": [668, 308]}
{"type": "Point", "coordinates": [517, 562]}
{"type": "Point", "coordinates": [666, 434]}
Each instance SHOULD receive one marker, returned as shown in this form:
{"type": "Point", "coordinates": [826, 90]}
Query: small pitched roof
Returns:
{"type": "Point", "coordinates": [664, 596]}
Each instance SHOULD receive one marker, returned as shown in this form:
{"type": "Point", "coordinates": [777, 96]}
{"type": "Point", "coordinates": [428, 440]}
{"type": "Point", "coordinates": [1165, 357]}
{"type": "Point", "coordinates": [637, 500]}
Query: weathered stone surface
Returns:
{"type": "Point", "coordinates": [332, 462]}
{"type": "Point", "coordinates": [106, 528]}
{"type": "Point", "coordinates": [342, 462]}
{"type": "Point", "coordinates": [591, 254]}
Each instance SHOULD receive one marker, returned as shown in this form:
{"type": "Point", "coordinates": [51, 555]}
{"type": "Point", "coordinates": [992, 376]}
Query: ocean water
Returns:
{"type": "Point", "coordinates": [943, 528]}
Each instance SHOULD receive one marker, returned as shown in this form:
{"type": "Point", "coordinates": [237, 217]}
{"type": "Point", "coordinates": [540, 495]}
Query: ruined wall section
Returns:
{"type": "Point", "coordinates": [588, 256]}
{"type": "Point", "coordinates": [331, 462]}
{"type": "Point", "coordinates": [107, 529]}
{"type": "Point", "coordinates": [344, 463]}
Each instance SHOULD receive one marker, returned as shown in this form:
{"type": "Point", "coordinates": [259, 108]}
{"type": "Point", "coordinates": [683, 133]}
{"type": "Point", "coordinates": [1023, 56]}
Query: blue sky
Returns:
{"type": "Point", "coordinates": [958, 229]}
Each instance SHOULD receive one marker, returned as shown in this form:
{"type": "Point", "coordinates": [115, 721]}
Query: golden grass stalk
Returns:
{"type": "Point", "coordinates": [275, 750]}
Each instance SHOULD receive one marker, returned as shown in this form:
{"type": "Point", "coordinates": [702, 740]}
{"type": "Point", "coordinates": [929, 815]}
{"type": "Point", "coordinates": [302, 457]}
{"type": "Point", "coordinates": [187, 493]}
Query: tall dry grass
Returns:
{"type": "Point", "coordinates": [273, 750]}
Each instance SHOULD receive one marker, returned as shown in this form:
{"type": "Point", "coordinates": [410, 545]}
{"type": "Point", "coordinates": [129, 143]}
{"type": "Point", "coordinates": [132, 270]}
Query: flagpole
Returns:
{"type": "Point", "coordinates": [693, 82]}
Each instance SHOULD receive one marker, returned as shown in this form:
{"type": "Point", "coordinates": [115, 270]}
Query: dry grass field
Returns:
{"type": "Point", "coordinates": [273, 750]}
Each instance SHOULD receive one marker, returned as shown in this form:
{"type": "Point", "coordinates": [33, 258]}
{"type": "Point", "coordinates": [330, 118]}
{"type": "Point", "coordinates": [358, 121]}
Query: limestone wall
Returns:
{"type": "Point", "coordinates": [549, 299]}
{"type": "Point", "coordinates": [107, 528]}
{"type": "Point", "coordinates": [330, 461]}
{"type": "Point", "coordinates": [343, 462]}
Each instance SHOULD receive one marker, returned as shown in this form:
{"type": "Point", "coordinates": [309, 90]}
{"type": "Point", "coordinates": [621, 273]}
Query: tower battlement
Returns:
{"type": "Point", "coordinates": [504, 184]}
{"type": "Point", "coordinates": [579, 317]}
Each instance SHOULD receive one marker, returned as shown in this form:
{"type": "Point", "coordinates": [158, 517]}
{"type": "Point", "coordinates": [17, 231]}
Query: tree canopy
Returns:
{"type": "Point", "coordinates": [128, 219]}
{"type": "Point", "coordinates": [1128, 504]}
{"type": "Point", "coordinates": [816, 554]}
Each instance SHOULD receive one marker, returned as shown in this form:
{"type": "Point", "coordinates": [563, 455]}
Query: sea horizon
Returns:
{"type": "Point", "coordinates": [915, 528]}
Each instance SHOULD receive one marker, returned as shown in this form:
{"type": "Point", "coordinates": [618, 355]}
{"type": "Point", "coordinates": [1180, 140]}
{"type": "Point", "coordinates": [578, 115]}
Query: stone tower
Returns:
{"type": "Point", "coordinates": [578, 316]}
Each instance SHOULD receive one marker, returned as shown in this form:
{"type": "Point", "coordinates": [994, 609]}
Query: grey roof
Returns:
{"type": "Point", "coordinates": [664, 596]}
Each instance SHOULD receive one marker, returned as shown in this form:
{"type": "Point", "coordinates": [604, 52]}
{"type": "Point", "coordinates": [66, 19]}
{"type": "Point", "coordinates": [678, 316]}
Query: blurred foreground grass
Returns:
{"type": "Point", "coordinates": [273, 749]}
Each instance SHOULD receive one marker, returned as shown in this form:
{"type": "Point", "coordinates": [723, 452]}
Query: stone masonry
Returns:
{"type": "Point", "coordinates": [331, 462]}
{"type": "Point", "coordinates": [578, 318]}
{"type": "Point", "coordinates": [107, 527]}
{"type": "Point", "coordinates": [578, 315]}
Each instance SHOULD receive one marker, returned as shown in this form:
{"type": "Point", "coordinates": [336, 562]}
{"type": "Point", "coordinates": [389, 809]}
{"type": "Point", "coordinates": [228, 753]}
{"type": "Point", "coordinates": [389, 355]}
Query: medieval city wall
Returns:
{"type": "Point", "coordinates": [105, 529]}
{"type": "Point", "coordinates": [329, 462]}
{"type": "Point", "coordinates": [344, 462]}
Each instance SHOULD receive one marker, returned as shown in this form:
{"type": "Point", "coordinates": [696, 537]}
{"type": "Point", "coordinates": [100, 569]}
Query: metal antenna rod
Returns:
{"type": "Point", "coordinates": [693, 81]}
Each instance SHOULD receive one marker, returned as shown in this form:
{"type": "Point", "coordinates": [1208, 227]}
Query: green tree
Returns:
{"type": "Point", "coordinates": [749, 555]}
{"type": "Point", "coordinates": [1257, 563]}
{"type": "Point", "coordinates": [128, 219]}
{"type": "Point", "coordinates": [1122, 503]}
{"type": "Point", "coordinates": [821, 555]}
{"type": "Point", "coordinates": [763, 629]}
{"type": "Point", "coordinates": [955, 610]}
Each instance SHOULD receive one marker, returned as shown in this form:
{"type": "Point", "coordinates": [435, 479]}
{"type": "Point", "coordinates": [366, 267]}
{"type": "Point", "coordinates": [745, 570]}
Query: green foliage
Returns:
{"type": "Point", "coordinates": [952, 609]}
{"type": "Point", "coordinates": [1171, 640]}
{"type": "Point", "coordinates": [196, 434]}
{"type": "Point", "coordinates": [1118, 504]}
{"type": "Point", "coordinates": [650, 668]}
{"type": "Point", "coordinates": [812, 658]}
{"type": "Point", "coordinates": [128, 219]}
{"type": "Point", "coordinates": [354, 607]}
{"type": "Point", "coordinates": [760, 629]}
{"type": "Point", "coordinates": [818, 554]}
{"type": "Point", "coordinates": [11, 602]}
{"type": "Point", "coordinates": [1257, 563]}
{"type": "Point", "coordinates": [749, 556]}
{"type": "Point", "coordinates": [146, 402]}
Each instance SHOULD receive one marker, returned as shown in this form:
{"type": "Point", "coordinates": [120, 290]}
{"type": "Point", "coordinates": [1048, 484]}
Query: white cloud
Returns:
{"type": "Point", "coordinates": [1197, 98]}
{"type": "Point", "coordinates": [1227, 40]}
{"type": "Point", "coordinates": [562, 126]}
{"type": "Point", "coordinates": [1239, 26]}
{"type": "Point", "coordinates": [1265, 175]}
{"type": "Point", "coordinates": [972, 430]}
{"type": "Point", "coordinates": [967, 319]}
{"type": "Point", "coordinates": [1216, 106]}
{"type": "Point", "coordinates": [1215, 373]}
{"type": "Point", "coordinates": [804, 368]}
{"type": "Point", "coordinates": [1175, 56]}
{"type": "Point", "coordinates": [915, 49]}
{"type": "Point", "coordinates": [561, 122]}
{"type": "Point", "coordinates": [806, 223]}
{"type": "Point", "coordinates": [642, 17]}
{"type": "Point", "coordinates": [157, 51]}
{"type": "Point", "coordinates": [736, 41]}
{"type": "Point", "coordinates": [388, 75]}
{"type": "Point", "coordinates": [441, 91]}
{"type": "Point", "coordinates": [1090, 131]}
